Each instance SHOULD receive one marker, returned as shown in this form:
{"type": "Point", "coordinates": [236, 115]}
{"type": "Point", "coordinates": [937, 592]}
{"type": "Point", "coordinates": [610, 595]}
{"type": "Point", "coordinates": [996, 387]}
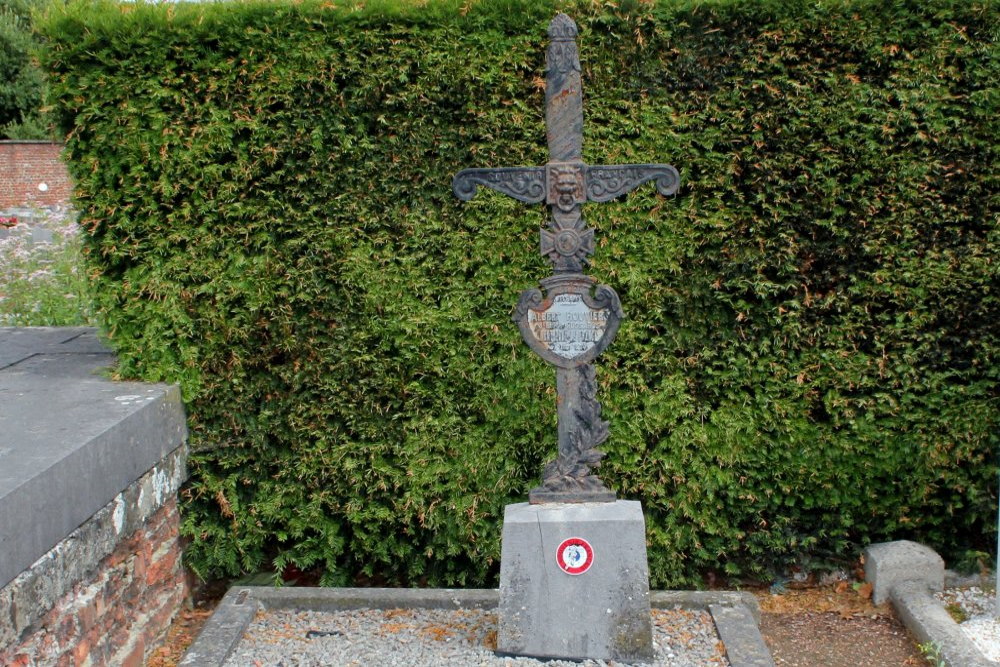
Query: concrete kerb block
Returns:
{"type": "Point", "coordinates": [890, 563]}
{"type": "Point", "coordinates": [929, 622]}
{"type": "Point", "coordinates": [907, 574]}
{"type": "Point", "coordinates": [340, 599]}
{"type": "Point", "coordinates": [703, 601]}
{"type": "Point", "coordinates": [223, 630]}
{"type": "Point", "coordinates": [740, 634]}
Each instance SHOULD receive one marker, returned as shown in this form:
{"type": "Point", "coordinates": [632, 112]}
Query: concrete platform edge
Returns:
{"type": "Point", "coordinates": [226, 626]}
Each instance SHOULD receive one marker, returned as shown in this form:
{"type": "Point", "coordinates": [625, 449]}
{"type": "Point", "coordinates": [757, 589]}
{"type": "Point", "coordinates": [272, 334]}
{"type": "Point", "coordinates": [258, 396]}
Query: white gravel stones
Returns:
{"type": "Point", "coordinates": [982, 625]}
{"type": "Point", "coordinates": [461, 638]}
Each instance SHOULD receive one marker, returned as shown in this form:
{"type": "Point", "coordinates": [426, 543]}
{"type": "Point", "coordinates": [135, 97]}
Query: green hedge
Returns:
{"type": "Point", "coordinates": [22, 83]}
{"type": "Point", "coordinates": [810, 356]}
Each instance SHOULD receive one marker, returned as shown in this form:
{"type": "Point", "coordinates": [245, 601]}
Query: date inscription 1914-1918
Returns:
{"type": "Point", "coordinates": [571, 319]}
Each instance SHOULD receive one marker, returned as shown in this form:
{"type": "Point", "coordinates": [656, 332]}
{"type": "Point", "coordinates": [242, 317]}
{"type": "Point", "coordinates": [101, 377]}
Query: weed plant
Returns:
{"type": "Point", "coordinates": [42, 282]}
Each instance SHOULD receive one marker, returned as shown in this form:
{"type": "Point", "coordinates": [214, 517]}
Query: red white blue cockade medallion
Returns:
{"type": "Point", "coordinates": [575, 555]}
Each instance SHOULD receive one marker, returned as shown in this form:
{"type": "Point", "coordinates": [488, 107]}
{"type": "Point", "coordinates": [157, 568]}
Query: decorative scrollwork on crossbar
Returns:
{"type": "Point", "coordinates": [525, 184]}
{"type": "Point", "coordinates": [605, 183]}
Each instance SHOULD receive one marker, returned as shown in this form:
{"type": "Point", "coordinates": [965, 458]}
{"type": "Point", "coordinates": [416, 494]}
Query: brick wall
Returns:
{"type": "Point", "coordinates": [107, 593]}
{"type": "Point", "coordinates": [32, 173]}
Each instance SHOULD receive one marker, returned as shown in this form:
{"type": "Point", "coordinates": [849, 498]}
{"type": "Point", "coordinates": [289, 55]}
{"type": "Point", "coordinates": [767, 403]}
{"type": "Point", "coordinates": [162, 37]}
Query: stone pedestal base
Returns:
{"type": "Point", "coordinates": [574, 582]}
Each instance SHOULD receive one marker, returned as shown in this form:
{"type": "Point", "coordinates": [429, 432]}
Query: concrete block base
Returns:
{"type": "Point", "coordinates": [890, 563]}
{"type": "Point", "coordinates": [574, 582]}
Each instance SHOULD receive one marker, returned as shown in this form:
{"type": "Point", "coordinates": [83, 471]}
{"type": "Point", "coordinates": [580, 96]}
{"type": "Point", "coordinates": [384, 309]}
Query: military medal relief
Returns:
{"type": "Point", "coordinates": [569, 319]}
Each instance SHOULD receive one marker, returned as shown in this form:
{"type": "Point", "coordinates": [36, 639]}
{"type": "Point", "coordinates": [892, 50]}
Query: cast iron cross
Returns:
{"type": "Point", "coordinates": [575, 319]}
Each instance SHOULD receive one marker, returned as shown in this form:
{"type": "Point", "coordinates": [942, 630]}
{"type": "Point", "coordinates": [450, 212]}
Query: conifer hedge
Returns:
{"type": "Point", "coordinates": [810, 356]}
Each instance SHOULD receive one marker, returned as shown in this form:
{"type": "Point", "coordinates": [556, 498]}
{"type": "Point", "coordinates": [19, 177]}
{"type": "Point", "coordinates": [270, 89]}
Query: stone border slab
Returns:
{"type": "Point", "coordinates": [223, 630]}
{"type": "Point", "coordinates": [739, 613]}
{"type": "Point", "coordinates": [703, 600]}
{"type": "Point", "coordinates": [907, 573]}
{"type": "Point", "coordinates": [741, 636]}
{"type": "Point", "coordinates": [929, 622]}
{"type": "Point", "coordinates": [71, 438]}
{"type": "Point", "coordinates": [339, 599]}
{"type": "Point", "coordinates": [890, 563]}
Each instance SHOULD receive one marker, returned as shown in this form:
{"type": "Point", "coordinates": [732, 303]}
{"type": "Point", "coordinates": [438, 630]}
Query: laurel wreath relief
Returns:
{"type": "Point", "coordinates": [572, 468]}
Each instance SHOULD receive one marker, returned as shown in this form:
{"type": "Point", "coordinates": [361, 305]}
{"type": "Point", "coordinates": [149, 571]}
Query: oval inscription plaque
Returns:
{"type": "Point", "coordinates": [571, 322]}
{"type": "Point", "coordinates": [569, 327]}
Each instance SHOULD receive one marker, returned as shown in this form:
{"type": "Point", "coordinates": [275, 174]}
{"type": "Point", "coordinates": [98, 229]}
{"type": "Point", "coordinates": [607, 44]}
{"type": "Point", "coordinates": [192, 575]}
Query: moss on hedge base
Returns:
{"type": "Point", "coordinates": [810, 356]}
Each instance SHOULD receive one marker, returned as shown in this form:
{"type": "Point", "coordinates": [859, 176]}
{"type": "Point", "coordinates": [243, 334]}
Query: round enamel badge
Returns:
{"type": "Point", "coordinates": [575, 555]}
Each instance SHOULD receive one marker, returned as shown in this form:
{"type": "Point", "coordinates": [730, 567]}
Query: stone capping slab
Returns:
{"type": "Point", "coordinates": [30, 596]}
{"type": "Point", "coordinates": [20, 343]}
{"type": "Point", "coordinates": [225, 628]}
{"type": "Point", "coordinates": [70, 439]}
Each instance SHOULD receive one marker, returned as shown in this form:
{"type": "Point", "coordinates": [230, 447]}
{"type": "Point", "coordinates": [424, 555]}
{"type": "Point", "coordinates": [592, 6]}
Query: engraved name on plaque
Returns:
{"type": "Point", "coordinates": [568, 327]}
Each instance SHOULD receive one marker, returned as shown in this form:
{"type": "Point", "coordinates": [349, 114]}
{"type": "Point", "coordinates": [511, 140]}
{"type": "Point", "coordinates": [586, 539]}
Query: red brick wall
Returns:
{"type": "Point", "coordinates": [24, 165]}
{"type": "Point", "coordinates": [119, 614]}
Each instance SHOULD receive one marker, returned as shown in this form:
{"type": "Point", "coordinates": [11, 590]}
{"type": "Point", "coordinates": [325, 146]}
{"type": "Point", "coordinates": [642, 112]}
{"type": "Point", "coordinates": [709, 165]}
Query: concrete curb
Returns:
{"type": "Point", "coordinates": [339, 599]}
{"type": "Point", "coordinates": [906, 573]}
{"type": "Point", "coordinates": [223, 630]}
{"type": "Point", "coordinates": [736, 614]}
{"type": "Point", "coordinates": [927, 619]}
{"type": "Point", "coordinates": [703, 601]}
{"type": "Point", "coordinates": [741, 636]}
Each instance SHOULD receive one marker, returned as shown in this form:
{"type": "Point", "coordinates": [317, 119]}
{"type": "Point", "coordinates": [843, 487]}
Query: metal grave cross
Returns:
{"type": "Point", "coordinates": [575, 319]}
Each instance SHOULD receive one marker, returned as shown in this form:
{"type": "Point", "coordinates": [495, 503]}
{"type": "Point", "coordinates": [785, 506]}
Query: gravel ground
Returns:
{"type": "Point", "coordinates": [979, 608]}
{"type": "Point", "coordinates": [463, 638]}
